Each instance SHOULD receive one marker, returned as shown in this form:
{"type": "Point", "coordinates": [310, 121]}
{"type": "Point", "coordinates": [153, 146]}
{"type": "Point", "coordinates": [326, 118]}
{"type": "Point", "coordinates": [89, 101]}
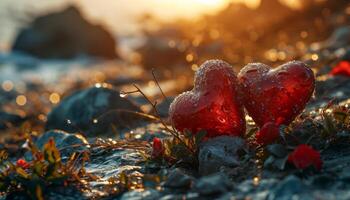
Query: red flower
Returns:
{"type": "Point", "coordinates": [22, 163]}
{"type": "Point", "coordinates": [157, 148]}
{"type": "Point", "coordinates": [268, 134]}
{"type": "Point", "coordinates": [342, 68]}
{"type": "Point", "coordinates": [304, 156]}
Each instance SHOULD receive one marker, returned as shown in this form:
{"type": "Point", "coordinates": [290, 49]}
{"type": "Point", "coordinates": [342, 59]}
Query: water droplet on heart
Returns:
{"type": "Point", "coordinates": [123, 94]}
{"type": "Point", "coordinates": [221, 119]}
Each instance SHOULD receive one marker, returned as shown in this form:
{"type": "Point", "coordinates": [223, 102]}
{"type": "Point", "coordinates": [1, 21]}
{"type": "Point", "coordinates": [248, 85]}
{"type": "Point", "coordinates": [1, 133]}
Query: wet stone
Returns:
{"type": "Point", "coordinates": [178, 179]}
{"type": "Point", "coordinates": [290, 187]}
{"type": "Point", "coordinates": [148, 132]}
{"type": "Point", "coordinates": [248, 187]}
{"type": "Point", "coordinates": [109, 163]}
{"type": "Point", "coordinates": [324, 181]}
{"type": "Point", "coordinates": [188, 196]}
{"type": "Point", "coordinates": [94, 111]}
{"type": "Point", "coordinates": [148, 194]}
{"type": "Point", "coordinates": [219, 152]}
{"type": "Point", "coordinates": [214, 184]}
{"type": "Point", "coordinates": [67, 143]}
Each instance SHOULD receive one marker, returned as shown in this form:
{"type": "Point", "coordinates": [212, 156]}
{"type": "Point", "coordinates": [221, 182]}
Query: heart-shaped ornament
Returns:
{"type": "Point", "coordinates": [212, 105]}
{"type": "Point", "coordinates": [276, 95]}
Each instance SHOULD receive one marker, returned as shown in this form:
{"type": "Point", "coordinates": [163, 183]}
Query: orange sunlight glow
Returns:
{"type": "Point", "coordinates": [120, 15]}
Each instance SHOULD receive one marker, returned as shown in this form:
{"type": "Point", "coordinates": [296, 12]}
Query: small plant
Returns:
{"type": "Point", "coordinates": [296, 143]}
{"type": "Point", "coordinates": [181, 147]}
{"type": "Point", "coordinates": [45, 170]}
{"type": "Point", "coordinates": [178, 151]}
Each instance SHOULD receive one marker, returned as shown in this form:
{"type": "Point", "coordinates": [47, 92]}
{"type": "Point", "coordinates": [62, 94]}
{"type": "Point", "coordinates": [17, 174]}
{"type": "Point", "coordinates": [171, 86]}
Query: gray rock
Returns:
{"type": "Point", "coordinates": [178, 179]}
{"type": "Point", "coordinates": [213, 184]}
{"type": "Point", "coordinates": [67, 143]}
{"type": "Point", "coordinates": [148, 194]}
{"type": "Point", "coordinates": [334, 88]}
{"type": "Point", "coordinates": [346, 56]}
{"type": "Point", "coordinates": [65, 34]}
{"type": "Point", "coordinates": [339, 38]}
{"type": "Point", "coordinates": [94, 111]}
{"type": "Point", "coordinates": [324, 181]}
{"type": "Point", "coordinates": [219, 152]}
{"type": "Point", "coordinates": [188, 196]}
{"type": "Point", "coordinates": [290, 188]}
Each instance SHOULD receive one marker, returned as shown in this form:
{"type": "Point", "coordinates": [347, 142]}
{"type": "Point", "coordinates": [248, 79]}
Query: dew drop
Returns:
{"type": "Point", "coordinates": [221, 119]}
{"type": "Point", "coordinates": [123, 94]}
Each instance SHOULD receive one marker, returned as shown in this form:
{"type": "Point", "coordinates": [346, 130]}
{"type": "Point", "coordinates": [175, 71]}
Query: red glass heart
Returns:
{"type": "Point", "coordinates": [212, 104]}
{"type": "Point", "coordinates": [276, 95]}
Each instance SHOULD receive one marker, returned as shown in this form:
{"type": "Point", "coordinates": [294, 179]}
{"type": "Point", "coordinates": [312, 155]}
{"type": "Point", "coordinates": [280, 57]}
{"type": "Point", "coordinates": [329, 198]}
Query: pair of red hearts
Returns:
{"type": "Point", "coordinates": [216, 102]}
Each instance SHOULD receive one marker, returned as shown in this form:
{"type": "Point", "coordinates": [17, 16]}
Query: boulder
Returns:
{"type": "Point", "coordinates": [9, 119]}
{"type": "Point", "coordinates": [94, 111]}
{"type": "Point", "coordinates": [65, 34]}
{"type": "Point", "coordinates": [219, 152]}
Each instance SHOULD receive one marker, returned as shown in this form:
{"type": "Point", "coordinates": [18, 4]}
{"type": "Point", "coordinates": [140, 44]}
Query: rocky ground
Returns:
{"type": "Point", "coordinates": [94, 113]}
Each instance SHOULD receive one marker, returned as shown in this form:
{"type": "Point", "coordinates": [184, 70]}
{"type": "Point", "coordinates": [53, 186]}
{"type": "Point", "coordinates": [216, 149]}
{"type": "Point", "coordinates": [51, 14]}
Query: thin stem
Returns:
{"type": "Point", "coordinates": [173, 133]}
{"type": "Point", "coordinates": [156, 80]}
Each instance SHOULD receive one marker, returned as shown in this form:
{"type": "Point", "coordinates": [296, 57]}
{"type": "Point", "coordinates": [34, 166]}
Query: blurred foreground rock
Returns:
{"type": "Point", "coordinates": [213, 185]}
{"type": "Point", "coordinates": [65, 34]}
{"type": "Point", "coordinates": [177, 179]}
{"type": "Point", "coordinates": [94, 111]}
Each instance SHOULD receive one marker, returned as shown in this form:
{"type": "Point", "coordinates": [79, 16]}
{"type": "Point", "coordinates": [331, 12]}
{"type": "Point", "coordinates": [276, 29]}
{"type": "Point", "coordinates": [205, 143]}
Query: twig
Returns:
{"type": "Point", "coordinates": [172, 132]}
{"type": "Point", "coordinates": [128, 111]}
{"type": "Point", "coordinates": [155, 79]}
